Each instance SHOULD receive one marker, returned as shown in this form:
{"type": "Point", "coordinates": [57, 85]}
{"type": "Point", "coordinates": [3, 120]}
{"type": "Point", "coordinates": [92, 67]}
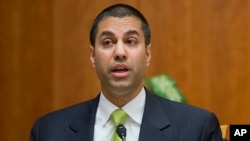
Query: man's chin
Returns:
{"type": "Point", "coordinates": [121, 86]}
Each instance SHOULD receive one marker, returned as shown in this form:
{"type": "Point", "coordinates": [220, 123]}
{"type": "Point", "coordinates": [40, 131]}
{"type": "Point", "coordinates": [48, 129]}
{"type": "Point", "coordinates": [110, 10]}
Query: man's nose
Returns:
{"type": "Point", "coordinates": [120, 52]}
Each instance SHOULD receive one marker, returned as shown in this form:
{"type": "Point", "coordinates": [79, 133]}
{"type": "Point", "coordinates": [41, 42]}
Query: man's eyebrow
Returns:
{"type": "Point", "coordinates": [107, 33]}
{"type": "Point", "coordinates": [132, 32]}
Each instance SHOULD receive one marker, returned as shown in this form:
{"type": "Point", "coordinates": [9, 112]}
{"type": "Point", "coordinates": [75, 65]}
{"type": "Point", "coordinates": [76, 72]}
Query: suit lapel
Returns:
{"type": "Point", "coordinates": [154, 122]}
{"type": "Point", "coordinates": [83, 125]}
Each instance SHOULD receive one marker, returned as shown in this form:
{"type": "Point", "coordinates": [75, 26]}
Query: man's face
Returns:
{"type": "Point", "coordinates": [120, 55]}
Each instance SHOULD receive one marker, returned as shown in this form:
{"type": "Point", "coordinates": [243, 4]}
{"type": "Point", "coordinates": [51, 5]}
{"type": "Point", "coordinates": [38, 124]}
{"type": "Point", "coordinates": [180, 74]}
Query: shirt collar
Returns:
{"type": "Point", "coordinates": [134, 108]}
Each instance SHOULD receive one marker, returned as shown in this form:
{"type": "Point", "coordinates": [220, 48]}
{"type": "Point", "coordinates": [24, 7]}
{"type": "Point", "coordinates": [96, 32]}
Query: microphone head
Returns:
{"type": "Point", "coordinates": [121, 131]}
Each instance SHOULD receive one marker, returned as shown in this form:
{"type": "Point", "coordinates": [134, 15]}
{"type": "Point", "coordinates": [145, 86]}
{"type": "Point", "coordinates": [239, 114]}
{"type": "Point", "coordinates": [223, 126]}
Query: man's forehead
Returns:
{"type": "Point", "coordinates": [127, 25]}
{"type": "Point", "coordinates": [110, 33]}
{"type": "Point", "coordinates": [125, 18]}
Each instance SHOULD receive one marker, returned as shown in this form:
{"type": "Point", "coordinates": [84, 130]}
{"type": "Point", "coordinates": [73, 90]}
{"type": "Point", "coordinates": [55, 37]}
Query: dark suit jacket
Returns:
{"type": "Point", "coordinates": [163, 120]}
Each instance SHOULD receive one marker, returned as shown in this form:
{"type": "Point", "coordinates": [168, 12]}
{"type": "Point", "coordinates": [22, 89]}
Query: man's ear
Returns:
{"type": "Point", "coordinates": [148, 53]}
{"type": "Point", "coordinates": [92, 55]}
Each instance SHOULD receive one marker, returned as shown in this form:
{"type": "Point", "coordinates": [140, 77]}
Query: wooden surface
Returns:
{"type": "Point", "coordinates": [44, 56]}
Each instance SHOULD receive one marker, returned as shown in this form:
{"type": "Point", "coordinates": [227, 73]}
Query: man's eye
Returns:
{"type": "Point", "coordinates": [131, 42]}
{"type": "Point", "coordinates": [107, 42]}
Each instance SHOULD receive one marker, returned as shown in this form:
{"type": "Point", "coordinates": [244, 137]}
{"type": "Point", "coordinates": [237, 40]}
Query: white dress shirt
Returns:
{"type": "Point", "coordinates": [104, 128]}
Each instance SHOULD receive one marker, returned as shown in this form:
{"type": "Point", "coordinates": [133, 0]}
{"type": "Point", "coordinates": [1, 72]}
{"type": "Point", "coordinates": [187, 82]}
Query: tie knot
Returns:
{"type": "Point", "coordinates": [119, 116]}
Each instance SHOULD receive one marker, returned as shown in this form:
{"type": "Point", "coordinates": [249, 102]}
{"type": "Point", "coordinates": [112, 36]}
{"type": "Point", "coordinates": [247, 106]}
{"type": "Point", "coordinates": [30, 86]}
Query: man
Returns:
{"type": "Point", "coordinates": [120, 54]}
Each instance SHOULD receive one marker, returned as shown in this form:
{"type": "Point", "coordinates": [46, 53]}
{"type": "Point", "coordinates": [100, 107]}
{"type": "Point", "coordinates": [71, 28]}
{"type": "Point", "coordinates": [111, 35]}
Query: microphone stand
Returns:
{"type": "Point", "coordinates": [123, 138]}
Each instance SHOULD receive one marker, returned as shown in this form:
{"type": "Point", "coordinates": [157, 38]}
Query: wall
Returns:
{"type": "Point", "coordinates": [44, 54]}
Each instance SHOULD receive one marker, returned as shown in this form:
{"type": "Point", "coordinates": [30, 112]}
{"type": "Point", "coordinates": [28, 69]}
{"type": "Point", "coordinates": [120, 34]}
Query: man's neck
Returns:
{"type": "Point", "coordinates": [120, 99]}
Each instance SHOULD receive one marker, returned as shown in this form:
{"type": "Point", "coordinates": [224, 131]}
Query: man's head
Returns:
{"type": "Point", "coordinates": [120, 11]}
{"type": "Point", "coordinates": [120, 52]}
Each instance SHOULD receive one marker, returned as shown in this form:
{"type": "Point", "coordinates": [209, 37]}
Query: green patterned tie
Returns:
{"type": "Point", "coordinates": [118, 116]}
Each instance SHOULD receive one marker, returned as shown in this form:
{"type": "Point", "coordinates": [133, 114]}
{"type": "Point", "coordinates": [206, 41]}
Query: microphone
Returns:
{"type": "Point", "coordinates": [121, 131]}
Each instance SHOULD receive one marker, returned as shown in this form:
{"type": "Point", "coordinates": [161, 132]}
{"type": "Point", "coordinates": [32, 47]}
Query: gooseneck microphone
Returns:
{"type": "Point", "coordinates": [121, 131]}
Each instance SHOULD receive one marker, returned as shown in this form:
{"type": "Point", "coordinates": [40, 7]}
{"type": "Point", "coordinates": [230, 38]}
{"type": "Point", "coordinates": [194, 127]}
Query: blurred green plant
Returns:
{"type": "Point", "coordinates": [164, 86]}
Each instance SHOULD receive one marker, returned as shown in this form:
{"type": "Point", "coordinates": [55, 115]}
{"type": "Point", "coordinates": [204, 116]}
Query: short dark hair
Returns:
{"type": "Point", "coordinates": [120, 11]}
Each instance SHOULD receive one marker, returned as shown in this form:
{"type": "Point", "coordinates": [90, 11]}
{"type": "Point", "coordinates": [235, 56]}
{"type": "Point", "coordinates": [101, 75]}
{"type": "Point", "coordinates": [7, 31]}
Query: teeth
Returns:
{"type": "Point", "coordinates": [120, 69]}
